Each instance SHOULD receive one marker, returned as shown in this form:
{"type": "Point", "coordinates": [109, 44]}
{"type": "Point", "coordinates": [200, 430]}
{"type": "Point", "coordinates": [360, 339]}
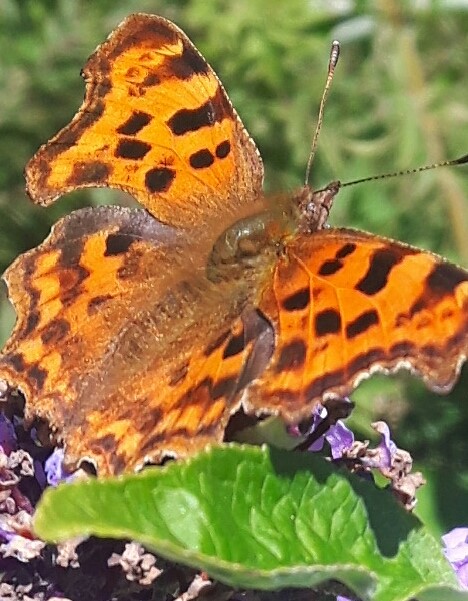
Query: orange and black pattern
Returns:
{"type": "Point", "coordinates": [140, 332]}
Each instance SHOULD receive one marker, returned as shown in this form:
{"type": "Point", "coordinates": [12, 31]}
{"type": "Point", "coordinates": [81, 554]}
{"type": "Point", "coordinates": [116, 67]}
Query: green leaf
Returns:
{"type": "Point", "coordinates": [261, 518]}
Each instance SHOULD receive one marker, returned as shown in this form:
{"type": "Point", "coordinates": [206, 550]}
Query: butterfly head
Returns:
{"type": "Point", "coordinates": [313, 207]}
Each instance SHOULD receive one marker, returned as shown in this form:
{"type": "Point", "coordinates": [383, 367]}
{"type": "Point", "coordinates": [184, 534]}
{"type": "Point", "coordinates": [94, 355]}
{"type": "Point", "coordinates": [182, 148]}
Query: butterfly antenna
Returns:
{"type": "Point", "coordinates": [463, 160]}
{"type": "Point", "coordinates": [334, 55]}
{"type": "Point", "coordinates": [460, 161]}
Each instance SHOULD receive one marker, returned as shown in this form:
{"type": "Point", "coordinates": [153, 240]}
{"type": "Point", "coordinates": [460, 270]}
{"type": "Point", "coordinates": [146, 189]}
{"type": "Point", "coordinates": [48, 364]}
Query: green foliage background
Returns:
{"type": "Point", "coordinates": [399, 100]}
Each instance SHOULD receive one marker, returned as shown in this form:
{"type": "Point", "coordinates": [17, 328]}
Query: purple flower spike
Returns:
{"type": "Point", "coordinates": [8, 440]}
{"type": "Point", "coordinates": [55, 470]}
{"type": "Point", "coordinates": [340, 438]}
{"type": "Point", "coordinates": [456, 551]}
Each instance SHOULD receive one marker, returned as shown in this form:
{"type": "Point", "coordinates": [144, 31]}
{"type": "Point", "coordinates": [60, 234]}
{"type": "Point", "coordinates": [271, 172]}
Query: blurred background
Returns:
{"type": "Point", "coordinates": [399, 100]}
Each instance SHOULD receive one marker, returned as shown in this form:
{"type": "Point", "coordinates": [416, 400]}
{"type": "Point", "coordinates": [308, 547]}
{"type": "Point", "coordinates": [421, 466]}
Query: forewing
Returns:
{"type": "Point", "coordinates": [157, 123]}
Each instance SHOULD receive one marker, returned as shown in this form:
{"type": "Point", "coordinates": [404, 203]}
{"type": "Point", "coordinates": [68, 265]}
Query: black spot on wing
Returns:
{"type": "Point", "coordinates": [188, 64]}
{"type": "Point", "coordinates": [330, 267]}
{"type": "Point", "coordinates": [361, 324]}
{"type": "Point", "coordinates": [55, 331]}
{"type": "Point", "coordinates": [32, 320]}
{"type": "Point", "coordinates": [117, 244]}
{"type": "Point", "coordinates": [16, 360]}
{"type": "Point", "coordinates": [89, 172]}
{"type": "Point", "coordinates": [297, 301]}
{"type": "Point", "coordinates": [292, 356]}
{"type": "Point", "coordinates": [37, 375]}
{"type": "Point", "coordinates": [235, 345]}
{"type": "Point", "coordinates": [34, 314]}
{"type": "Point", "coordinates": [327, 322]}
{"type": "Point", "coordinates": [345, 250]}
{"type": "Point", "coordinates": [187, 120]}
{"type": "Point", "coordinates": [152, 79]}
{"type": "Point", "coordinates": [444, 278]}
{"type": "Point", "coordinates": [201, 159]}
{"type": "Point", "coordinates": [71, 280]}
{"type": "Point", "coordinates": [132, 149]}
{"type": "Point", "coordinates": [418, 306]}
{"type": "Point", "coordinates": [134, 124]}
{"type": "Point", "coordinates": [159, 179]}
{"type": "Point", "coordinates": [381, 264]}
{"type": "Point", "coordinates": [223, 149]}
{"type": "Point", "coordinates": [442, 281]}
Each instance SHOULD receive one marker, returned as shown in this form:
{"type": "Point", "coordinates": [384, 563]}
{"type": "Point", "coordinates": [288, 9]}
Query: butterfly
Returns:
{"type": "Point", "coordinates": [141, 331]}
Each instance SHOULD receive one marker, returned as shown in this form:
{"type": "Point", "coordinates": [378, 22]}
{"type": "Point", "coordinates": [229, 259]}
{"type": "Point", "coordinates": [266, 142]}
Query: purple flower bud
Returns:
{"type": "Point", "coordinates": [340, 438]}
{"type": "Point", "coordinates": [387, 447]}
{"type": "Point", "coordinates": [55, 470]}
{"type": "Point", "coordinates": [456, 551]}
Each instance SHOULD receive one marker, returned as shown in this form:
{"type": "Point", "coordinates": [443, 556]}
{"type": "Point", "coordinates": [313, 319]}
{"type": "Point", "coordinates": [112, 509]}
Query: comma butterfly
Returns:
{"type": "Point", "coordinates": [140, 332]}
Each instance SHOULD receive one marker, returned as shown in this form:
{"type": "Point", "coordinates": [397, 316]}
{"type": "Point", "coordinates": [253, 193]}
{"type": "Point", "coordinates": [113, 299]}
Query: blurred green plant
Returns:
{"type": "Point", "coordinates": [398, 100]}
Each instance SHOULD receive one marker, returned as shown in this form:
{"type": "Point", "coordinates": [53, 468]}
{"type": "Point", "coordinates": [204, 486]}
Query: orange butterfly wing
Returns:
{"type": "Point", "coordinates": [157, 123]}
{"type": "Point", "coordinates": [345, 304]}
{"type": "Point", "coordinates": [122, 344]}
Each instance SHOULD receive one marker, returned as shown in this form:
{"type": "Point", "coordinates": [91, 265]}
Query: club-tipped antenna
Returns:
{"type": "Point", "coordinates": [334, 55]}
{"type": "Point", "coordinates": [463, 160]}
